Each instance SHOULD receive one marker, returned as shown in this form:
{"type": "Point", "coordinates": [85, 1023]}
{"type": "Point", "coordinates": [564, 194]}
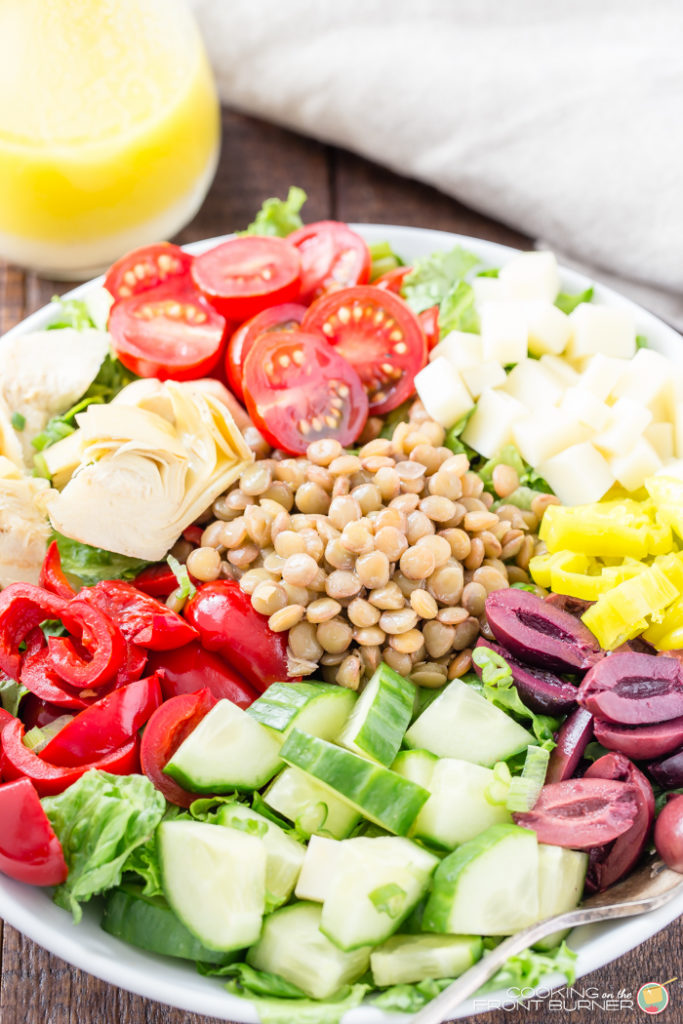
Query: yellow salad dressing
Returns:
{"type": "Point", "coordinates": [109, 128]}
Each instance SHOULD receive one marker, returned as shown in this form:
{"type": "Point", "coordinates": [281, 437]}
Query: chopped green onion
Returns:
{"type": "Point", "coordinates": [18, 421]}
{"type": "Point", "coordinates": [186, 588]}
{"type": "Point", "coordinates": [389, 899]}
{"type": "Point", "coordinates": [525, 788]}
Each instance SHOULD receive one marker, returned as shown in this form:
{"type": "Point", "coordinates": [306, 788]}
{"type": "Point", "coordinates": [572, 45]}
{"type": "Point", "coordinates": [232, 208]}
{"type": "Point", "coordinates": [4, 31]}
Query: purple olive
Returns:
{"type": "Point", "coordinates": [637, 645]}
{"type": "Point", "coordinates": [582, 813]}
{"type": "Point", "coordinates": [608, 863]}
{"type": "Point", "coordinates": [574, 735]}
{"type": "Point", "coordinates": [677, 653]}
{"type": "Point", "coordinates": [641, 742]}
{"type": "Point", "coordinates": [634, 689]}
{"type": "Point", "coordinates": [538, 633]}
{"type": "Point", "coordinates": [575, 606]}
{"type": "Point", "coordinates": [669, 833]}
{"type": "Point", "coordinates": [541, 690]}
{"type": "Point", "coordinates": [669, 772]}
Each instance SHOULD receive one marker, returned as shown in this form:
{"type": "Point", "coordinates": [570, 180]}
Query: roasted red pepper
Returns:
{"type": "Point", "coordinates": [23, 606]}
{"type": "Point", "coordinates": [52, 577]}
{"type": "Point", "coordinates": [38, 675]}
{"type": "Point", "coordinates": [100, 637]}
{"type": "Point", "coordinates": [29, 849]}
{"type": "Point", "coordinates": [142, 619]}
{"type": "Point", "coordinates": [227, 624]}
{"type": "Point", "coordinates": [106, 725]}
{"type": "Point", "coordinates": [167, 728]}
{"type": "Point", "coordinates": [192, 667]}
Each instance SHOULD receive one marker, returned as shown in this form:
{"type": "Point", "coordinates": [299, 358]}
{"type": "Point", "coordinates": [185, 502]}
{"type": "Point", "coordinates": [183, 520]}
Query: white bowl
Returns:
{"type": "Point", "coordinates": [86, 946]}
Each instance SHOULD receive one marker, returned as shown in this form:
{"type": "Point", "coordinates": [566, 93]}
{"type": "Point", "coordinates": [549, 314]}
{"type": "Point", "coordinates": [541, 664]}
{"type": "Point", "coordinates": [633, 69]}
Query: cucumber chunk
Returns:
{"type": "Point", "coordinates": [284, 855]}
{"type": "Point", "coordinates": [380, 718]}
{"type": "Point", "coordinates": [461, 723]}
{"type": "Point", "coordinates": [293, 946]}
{"type": "Point", "coordinates": [215, 880]}
{"type": "Point", "coordinates": [561, 876]}
{"type": "Point", "coordinates": [321, 865]}
{"type": "Point", "coordinates": [405, 959]}
{"type": "Point", "coordinates": [373, 886]}
{"type": "Point", "coordinates": [228, 750]}
{"type": "Point", "coordinates": [376, 792]}
{"type": "Point", "coordinates": [149, 923]}
{"type": "Point", "coordinates": [458, 808]}
{"type": "Point", "coordinates": [312, 807]}
{"type": "Point", "coordinates": [320, 709]}
{"type": "Point", "coordinates": [488, 886]}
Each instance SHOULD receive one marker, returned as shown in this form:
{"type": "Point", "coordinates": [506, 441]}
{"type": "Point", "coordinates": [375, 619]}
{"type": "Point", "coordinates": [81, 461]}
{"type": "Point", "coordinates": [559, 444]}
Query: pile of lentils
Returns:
{"type": "Point", "coordinates": [384, 555]}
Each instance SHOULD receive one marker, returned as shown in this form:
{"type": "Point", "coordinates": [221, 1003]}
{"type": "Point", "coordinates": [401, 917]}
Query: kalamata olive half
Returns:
{"type": "Point", "coordinates": [641, 742]}
{"type": "Point", "coordinates": [538, 633]}
{"type": "Point", "coordinates": [608, 863]}
{"type": "Point", "coordinates": [576, 606]}
{"type": "Point", "coordinates": [669, 833]}
{"type": "Point", "coordinates": [669, 772]}
{"type": "Point", "coordinates": [634, 689]}
{"type": "Point", "coordinates": [541, 690]}
{"type": "Point", "coordinates": [573, 737]}
{"type": "Point", "coordinates": [582, 813]}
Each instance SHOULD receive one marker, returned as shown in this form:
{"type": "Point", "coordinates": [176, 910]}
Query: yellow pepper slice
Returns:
{"type": "Point", "coordinates": [606, 529]}
{"type": "Point", "coordinates": [667, 496]}
{"type": "Point", "coordinates": [541, 566]}
{"type": "Point", "coordinates": [624, 611]}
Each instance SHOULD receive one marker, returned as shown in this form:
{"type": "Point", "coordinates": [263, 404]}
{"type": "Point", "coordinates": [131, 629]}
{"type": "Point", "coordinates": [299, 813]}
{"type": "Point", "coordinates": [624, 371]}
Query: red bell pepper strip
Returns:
{"type": "Point", "coordinates": [167, 728]}
{"type": "Point", "coordinates": [193, 535]}
{"type": "Point", "coordinates": [142, 619]}
{"type": "Point", "coordinates": [5, 717]}
{"type": "Point", "coordinates": [227, 624]}
{"type": "Point", "coordinates": [38, 675]}
{"type": "Point", "coordinates": [106, 725]}
{"type": "Point", "coordinates": [156, 580]}
{"type": "Point", "coordinates": [23, 606]}
{"type": "Point", "coordinates": [100, 636]}
{"type": "Point", "coordinates": [29, 849]}
{"type": "Point", "coordinates": [192, 667]}
{"type": "Point", "coordinates": [18, 762]}
{"type": "Point", "coordinates": [52, 577]}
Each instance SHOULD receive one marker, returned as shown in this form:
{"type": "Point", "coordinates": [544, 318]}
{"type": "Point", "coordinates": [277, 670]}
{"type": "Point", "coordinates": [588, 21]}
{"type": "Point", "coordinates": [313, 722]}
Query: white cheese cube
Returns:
{"type": "Point", "coordinates": [627, 423]}
{"type": "Point", "coordinates": [490, 425]}
{"type": "Point", "coordinates": [486, 289]}
{"type": "Point", "coordinates": [661, 437]}
{"type": "Point", "coordinates": [579, 475]}
{"type": "Point", "coordinates": [581, 405]}
{"type": "Point", "coordinates": [605, 329]}
{"type": "Point", "coordinates": [647, 378]}
{"type": "Point", "coordinates": [538, 437]}
{"type": "Point", "coordinates": [531, 275]}
{"type": "Point", "coordinates": [459, 348]}
{"type": "Point", "coordinates": [483, 376]}
{"type": "Point", "coordinates": [631, 470]}
{"type": "Point", "coordinates": [601, 374]}
{"type": "Point", "coordinates": [563, 370]}
{"type": "Point", "coordinates": [533, 385]}
{"type": "Point", "coordinates": [503, 332]}
{"type": "Point", "coordinates": [549, 328]}
{"type": "Point", "coordinates": [442, 392]}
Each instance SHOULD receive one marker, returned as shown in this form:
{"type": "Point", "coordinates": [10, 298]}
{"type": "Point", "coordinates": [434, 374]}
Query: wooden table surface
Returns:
{"type": "Point", "coordinates": [260, 160]}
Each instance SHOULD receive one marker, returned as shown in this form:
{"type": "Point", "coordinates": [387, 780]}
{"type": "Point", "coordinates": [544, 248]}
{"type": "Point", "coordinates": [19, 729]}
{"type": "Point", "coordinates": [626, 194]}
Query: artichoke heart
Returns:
{"type": "Point", "coordinates": [24, 530]}
{"type": "Point", "coordinates": [140, 470]}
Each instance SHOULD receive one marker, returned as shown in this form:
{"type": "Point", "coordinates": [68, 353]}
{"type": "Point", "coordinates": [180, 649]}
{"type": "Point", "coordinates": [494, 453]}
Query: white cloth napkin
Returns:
{"type": "Point", "coordinates": [564, 120]}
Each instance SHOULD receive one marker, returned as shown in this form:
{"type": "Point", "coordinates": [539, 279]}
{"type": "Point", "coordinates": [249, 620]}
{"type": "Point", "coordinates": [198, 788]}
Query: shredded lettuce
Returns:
{"type": "Point", "coordinates": [433, 277]}
{"type": "Point", "coordinates": [568, 302]}
{"type": "Point", "coordinates": [11, 693]}
{"type": "Point", "coordinates": [91, 565]}
{"type": "Point", "coordinates": [279, 216]}
{"type": "Point", "coordinates": [454, 441]}
{"type": "Point", "coordinates": [497, 686]}
{"type": "Point", "coordinates": [383, 259]}
{"type": "Point", "coordinates": [72, 313]}
{"type": "Point", "coordinates": [457, 311]}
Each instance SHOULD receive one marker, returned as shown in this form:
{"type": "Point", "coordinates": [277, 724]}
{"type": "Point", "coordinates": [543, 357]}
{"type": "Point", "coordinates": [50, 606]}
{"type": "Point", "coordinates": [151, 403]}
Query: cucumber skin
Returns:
{"type": "Point", "coordinates": [279, 706]}
{"type": "Point", "coordinates": [372, 788]}
{"type": "Point", "coordinates": [149, 923]}
{"type": "Point", "coordinates": [387, 718]}
{"type": "Point", "coordinates": [218, 788]}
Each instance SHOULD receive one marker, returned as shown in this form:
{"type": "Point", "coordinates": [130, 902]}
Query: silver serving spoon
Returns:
{"type": "Point", "coordinates": [647, 889]}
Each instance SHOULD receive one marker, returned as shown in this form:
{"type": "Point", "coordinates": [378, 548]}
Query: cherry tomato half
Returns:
{"type": "Point", "coordinates": [167, 728]}
{"type": "Point", "coordinates": [393, 280]}
{"type": "Point", "coordinates": [378, 334]}
{"type": "Point", "coordinates": [429, 322]}
{"type": "Point", "coordinates": [29, 849]}
{"type": "Point", "coordinates": [298, 389]}
{"type": "Point", "coordinates": [169, 332]}
{"type": "Point", "coordinates": [277, 318]}
{"type": "Point", "coordinates": [244, 275]}
{"type": "Point", "coordinates": [146, 268]}
{"type": "Point", "coordinates": [332, 256]}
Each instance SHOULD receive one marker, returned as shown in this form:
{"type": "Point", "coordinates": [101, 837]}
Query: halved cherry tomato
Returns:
{"type": "Point", "coordinates": [429, 322]}
{"type": "Point", "coordinates": [167, 728]}
{"type": "Point", "coordinates": [52, 577]}
{"type": "Point", "coordinates": [378, 334]}
{"type": "Point", "coordinates": [245, 275]}
{"type": "Point", "coordinates": [146, 268]}
{"type": "Point", "coordinates": [332, 256]}
{"type": "Point", "coordinates": [277, 318]}
{"type": "Point", "coordinates": [192, 668]}
{"type": "Point", "coordinates": [169, 332]}
{"type": "Point", "coordinates": [393, 280]}
{"type": "Point", "coordinates": [298, 389]}
{"type": "Point", "coordinates": [29, 849]}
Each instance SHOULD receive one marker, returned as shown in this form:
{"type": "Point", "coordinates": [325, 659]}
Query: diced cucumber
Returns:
{"type": "Point", "coordinates": [374, 885]}
{"type": "Point", "coordinates": [405, 959]}
{"type": "Point", "coordinates": [228, 750]}
{"type": "Point", "coordinates": [320, 709]}
{"type": "Point", "coordinates": [461, 723]}
{"type": "Point", "coordinates": [378, 793]}
{"type": "Point", "coordinates": [312, 807]}
{"type": "Point", "coordinates": [488, 886]}
{"type": "Point", "coordinates": [215, 880]}
{"type": "Point", "coordinates": [149, 923]}
{"type": "Point", "coordinates": [293, 946]}
{"type": "Point", "coordinates": [561, 876]}
{"type": "Point", "coordinates": [320, 866]}
{"type": "Point", "coordinates": [284, 855]}
{"type": "Point", "coordinates": [380, 718]}
{"type": "Point", "coordinates": [459, 807]}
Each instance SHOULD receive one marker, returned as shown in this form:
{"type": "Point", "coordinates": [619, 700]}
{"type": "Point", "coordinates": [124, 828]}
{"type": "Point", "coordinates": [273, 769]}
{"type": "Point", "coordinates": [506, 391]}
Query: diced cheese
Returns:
{"type": "Point", "coordinates": [485, 375]}
{"type": "Point", "coordinates": [579, 475]}
{"type": "Point", "coordinates": [542, 435]}
{"type": "Point", "coordinates": [549, 328]}
{"type": "Point", "coordinates": [491, 423]}
{"type": "Point", "coordinates": [605, 329]}
{"type": "Point", "coordinates": [647, 378]}
{"type": "Point", "coordinates": [504, 332]}
{"type": "Point", "coordinates": [627, 423]}
{"type": "Point", "coordinates": [459, 348]}
{"type": "Point", "coordinates": [632, 469]}
{"type": "Point", "coordinates": [442, 392]}
{"type": "Point", "coordinates": [561, 368]}
{"type": "Point", "coordinates": [583, 406]}
{"type": "Point", "coordinates": [601, 375]}
{"type": "Point", "coordinates": [533, 385]}
{"type": "Point", "coordinates": [531, 275]}
{"type": "Point", "coordinates": [485, 289]}
{"type": "Point", "coordinates": [661, 437]}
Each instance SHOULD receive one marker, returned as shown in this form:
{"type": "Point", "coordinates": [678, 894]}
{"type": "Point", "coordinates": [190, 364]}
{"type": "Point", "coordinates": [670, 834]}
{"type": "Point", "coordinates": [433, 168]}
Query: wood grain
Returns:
{"type": "Point", "coordinates": [259, 160]}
